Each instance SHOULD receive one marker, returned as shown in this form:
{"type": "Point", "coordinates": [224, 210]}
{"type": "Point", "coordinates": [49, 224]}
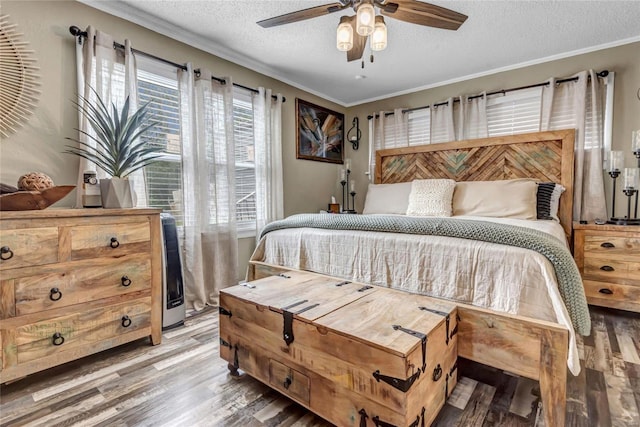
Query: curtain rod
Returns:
{"type": "Point", "coordinates": [603, 73]}
{"type": "Point", "coordinates": [77, 32]}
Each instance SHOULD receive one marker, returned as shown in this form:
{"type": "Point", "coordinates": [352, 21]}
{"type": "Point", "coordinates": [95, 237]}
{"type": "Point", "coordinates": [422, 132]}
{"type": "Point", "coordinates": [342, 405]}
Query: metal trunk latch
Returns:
{"type": "Point", "coordinates": [224, 311]}
{"type": "Point", "coordinates": [287, 332]}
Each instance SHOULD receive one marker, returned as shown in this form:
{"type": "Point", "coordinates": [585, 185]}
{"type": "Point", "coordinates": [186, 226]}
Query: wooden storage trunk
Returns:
{"type": "Point", "coordinates": [354, 354]}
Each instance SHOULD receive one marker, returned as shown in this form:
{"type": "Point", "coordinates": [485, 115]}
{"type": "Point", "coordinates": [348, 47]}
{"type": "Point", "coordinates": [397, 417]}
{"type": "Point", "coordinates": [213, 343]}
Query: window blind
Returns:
{"type": "Point", "coordinates": [514, 112]}
{"type": "Point", "coordinates": [163, 178]}
{"type": "Point", "coordinates": [245, 159]}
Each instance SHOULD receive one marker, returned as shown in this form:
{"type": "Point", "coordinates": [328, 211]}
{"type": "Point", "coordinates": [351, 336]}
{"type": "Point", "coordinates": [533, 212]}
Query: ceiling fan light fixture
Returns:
{"type": "Point", "coordinates": [344, 35]}
{"type": "Point", "coordinates": [379, 36]}
{"type": "Point", "coordinates": [365, 18]}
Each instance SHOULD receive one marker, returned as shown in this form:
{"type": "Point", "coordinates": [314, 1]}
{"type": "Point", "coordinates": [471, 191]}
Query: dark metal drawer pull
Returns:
{"type": "Point", "coordinates": [607, 268]}
{"type": "Point", "coordinates": [55, 294]}
{"type": "Point", "coordinates": [125, 281]}
{"type": "Point", "coordinates": [606, 291]}
{"type": "Point", "coordinates": [126, 321]}
{"type": "Point", "coordinates": [287, 382]}
{"type": "Point", "coordinates": [114, 242]}
{"type": "Point", "coordinates": [608, 245]}
{"type": "Point", "coordinates": [57, 339]}
{"type": "Point", "coordinates": [6, 253]}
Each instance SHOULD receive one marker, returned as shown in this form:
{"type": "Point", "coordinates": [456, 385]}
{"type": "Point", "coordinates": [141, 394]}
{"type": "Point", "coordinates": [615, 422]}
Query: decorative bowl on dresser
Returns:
{"type": "Point", "coordinates": [608, 257]}
{"type": "Point", "coordinates": [74, 282]}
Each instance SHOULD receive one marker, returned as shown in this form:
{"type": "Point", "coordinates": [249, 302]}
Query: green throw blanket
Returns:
{"type": "Point", "coordinates": [569, 281]}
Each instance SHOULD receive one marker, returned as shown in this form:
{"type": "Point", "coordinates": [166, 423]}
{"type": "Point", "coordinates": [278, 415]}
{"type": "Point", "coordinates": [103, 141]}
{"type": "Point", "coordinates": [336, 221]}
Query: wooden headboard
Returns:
{"type": "Point", "coordinates": [544, 156]}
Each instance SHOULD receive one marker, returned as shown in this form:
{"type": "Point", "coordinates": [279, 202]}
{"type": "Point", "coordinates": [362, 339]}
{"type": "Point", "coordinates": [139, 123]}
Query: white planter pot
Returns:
{"type": "Point", "coordinates": [117, 193]}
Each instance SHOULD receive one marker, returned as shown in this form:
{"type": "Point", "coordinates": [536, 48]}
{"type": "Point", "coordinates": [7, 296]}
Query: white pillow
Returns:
{"type": "Point", "coordinates": [387, 198]}
{"type": "Point", "coordinates": [431, 197]}
{"type": "Point", "coordinates": [514, 198]}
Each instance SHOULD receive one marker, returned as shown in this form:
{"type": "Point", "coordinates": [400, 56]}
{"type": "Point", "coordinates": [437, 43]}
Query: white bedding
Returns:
{"type": "Point", "coordinates": [503, 278]}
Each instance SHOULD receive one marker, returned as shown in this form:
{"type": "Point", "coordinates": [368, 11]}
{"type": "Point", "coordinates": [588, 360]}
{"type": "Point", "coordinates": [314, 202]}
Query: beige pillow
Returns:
{"type": "Point", "coordinates": [431, 197]}
{"type": "Point", "coordinates": [514, 198]}
{"type": "Point", "coordinates": [387, 198]}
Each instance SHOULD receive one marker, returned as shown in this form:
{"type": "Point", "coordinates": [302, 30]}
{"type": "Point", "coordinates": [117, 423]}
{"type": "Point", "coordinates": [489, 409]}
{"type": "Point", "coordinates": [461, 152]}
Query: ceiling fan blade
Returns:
{"type": "Point", "coordinates": [430, 15]}
{"type": "Point", "coordinates": [301, 15]}
{"type": "Point", "coordinates": [359, 43]}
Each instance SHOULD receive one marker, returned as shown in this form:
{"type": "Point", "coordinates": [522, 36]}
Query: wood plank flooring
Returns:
{"type": "Point", "coordinates": [183, 382]}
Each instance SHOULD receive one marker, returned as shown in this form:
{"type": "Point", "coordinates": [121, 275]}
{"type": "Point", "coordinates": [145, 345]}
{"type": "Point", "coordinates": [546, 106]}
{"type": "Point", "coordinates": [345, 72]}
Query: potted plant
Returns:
{"type": "Point", "coordinates": [119, 149]}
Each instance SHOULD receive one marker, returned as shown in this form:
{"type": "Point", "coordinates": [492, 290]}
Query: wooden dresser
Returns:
{"type": "Point", "coordinates": [608, 257]}
{"type": "Point", "coordinates": [75, 282]}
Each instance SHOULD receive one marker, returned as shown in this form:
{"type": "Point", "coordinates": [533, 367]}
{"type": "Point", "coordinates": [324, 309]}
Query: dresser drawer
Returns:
{"type": "Point", "coordinates": [111, 240]}
{"type": "Point", "coordinates": [80, 329]}
{"type": "Point", "coordinates": [611, 269]}
{"type": "Point", "coordinates": [28, 247]}
{"type": "Point", "coordinates": [48, 291]}
{"type": "Point", "coordinates": [611, 245]}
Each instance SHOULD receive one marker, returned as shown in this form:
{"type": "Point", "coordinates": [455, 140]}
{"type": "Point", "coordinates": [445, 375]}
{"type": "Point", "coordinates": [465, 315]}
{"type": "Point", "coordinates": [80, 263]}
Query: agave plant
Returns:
{"type": "Point", "coordinates": [119, 149]}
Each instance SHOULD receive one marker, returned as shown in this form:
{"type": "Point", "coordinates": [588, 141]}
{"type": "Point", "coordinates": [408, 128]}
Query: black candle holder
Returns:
{"type": "Point", "coordinates": [630, 192]}
{"type": "Point", "coordinates": [345, 195]}
{"type": "Point", "coordinates": [614, 174]}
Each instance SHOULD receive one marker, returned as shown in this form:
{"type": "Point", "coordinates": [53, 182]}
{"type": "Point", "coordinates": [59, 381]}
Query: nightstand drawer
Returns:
{"type": "Point", "coordinates": [611, 270]}
{"type": "Point", "coordinates": [102, 280]}
{"type": "Point", "coordinates": [28, 247]}
{"type": "Point", "coordinates": [613, 295]}
{"type": "Point", "coordinates": [611, 245]}
{"type": "Point", "coordinates": [110, 240]}
{"type": "Point", "coordinates": [80, 329]}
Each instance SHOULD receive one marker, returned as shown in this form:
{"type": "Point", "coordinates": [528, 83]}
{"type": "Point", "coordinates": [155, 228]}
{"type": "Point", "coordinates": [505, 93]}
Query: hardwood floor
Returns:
{"type": "Point", "coordinates": [183, 382]}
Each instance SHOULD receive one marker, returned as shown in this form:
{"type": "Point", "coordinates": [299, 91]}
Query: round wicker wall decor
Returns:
{"type": "Point", "coordinates": [18, 79]}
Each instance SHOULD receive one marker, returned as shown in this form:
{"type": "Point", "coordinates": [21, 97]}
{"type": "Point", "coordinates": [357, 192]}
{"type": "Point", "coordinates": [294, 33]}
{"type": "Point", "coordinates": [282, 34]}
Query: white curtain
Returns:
{"type": "Point", "coordinates": [387, 131]}
{"type": "Point", "coordinates": [579, 105]}
{"type": "Point", "coordinates": [208, 169]}
{"type": "Point", "coordinates": [442, 126]}
{"type": "Point", "coordinates": [112, 74]}
{"type": "Point", "coordinates": [267, 125]}
{"type": "Point", "coordinates": [472, 117]}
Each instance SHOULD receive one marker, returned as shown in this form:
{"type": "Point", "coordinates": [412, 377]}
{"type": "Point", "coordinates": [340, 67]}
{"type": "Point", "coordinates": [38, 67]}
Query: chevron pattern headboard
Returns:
{"type": "Point", "coordinates": [544, 156]}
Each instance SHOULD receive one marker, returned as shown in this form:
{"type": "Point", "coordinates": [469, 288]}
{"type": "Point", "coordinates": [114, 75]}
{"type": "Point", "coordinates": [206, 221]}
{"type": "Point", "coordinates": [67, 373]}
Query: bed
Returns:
{"type": "Point", "coordinates": [523, 327]}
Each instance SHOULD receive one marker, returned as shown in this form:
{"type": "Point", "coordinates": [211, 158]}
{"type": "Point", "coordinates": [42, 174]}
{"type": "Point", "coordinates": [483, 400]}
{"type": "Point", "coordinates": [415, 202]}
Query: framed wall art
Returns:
{"type": "Point", "coordinates": [319, 133]}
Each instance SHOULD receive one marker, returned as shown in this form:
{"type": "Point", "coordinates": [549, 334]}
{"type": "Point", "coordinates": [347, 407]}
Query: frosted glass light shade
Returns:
{"type": "Point", "coordinates": [616, 160]}
{"type": "Point", "coordinates": [344, 35]}
{"type": "Point", "coordinates": [365, 19]}
{"type": "Point", "coordinates": [379, 36]}
{"type": "Point", "coordinates": [635, 141]}
{"type": "Point", "coordinates": [631, 178]}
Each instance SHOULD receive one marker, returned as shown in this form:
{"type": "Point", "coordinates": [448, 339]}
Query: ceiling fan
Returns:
{"type": "Point", "coordinates": [353, 31]}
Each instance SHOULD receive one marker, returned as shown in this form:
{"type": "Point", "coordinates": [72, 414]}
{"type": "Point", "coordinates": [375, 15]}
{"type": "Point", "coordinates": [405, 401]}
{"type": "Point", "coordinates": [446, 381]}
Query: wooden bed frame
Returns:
{"type": "Point", "coordinates": [524, 346]}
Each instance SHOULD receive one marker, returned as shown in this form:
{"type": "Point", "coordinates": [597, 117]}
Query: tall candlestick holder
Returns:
{"type": "Point", "coordinates": [348, 189]}
{"type": "Point", "coordinates": [630, 189]}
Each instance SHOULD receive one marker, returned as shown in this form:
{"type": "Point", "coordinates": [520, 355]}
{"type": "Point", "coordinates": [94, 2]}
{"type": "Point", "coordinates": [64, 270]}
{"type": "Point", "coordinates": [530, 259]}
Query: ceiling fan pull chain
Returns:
{"type": "Point", "coordinates": [371, 59]}
{"type": "Point", "coordinates": [363, 64]}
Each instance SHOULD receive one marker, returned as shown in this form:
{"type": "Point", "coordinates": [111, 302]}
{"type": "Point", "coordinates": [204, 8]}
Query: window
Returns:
{"type": "Point", "coordinates": [245, 162]}
{"type": "Point", "coordinates": [515, 112]}
{"type": "Point", "coordinates": [163, 178]}
{"type": "Point", "coordinates": [158, 83]}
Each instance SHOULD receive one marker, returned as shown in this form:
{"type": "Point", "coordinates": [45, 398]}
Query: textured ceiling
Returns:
{"type": "Point", "coordinates": [497, 35]}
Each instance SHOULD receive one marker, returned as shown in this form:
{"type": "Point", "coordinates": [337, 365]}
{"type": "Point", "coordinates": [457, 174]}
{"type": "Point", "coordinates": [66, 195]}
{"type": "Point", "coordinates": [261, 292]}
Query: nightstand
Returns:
{"type": "Point", "coordinates": [608, 257]}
